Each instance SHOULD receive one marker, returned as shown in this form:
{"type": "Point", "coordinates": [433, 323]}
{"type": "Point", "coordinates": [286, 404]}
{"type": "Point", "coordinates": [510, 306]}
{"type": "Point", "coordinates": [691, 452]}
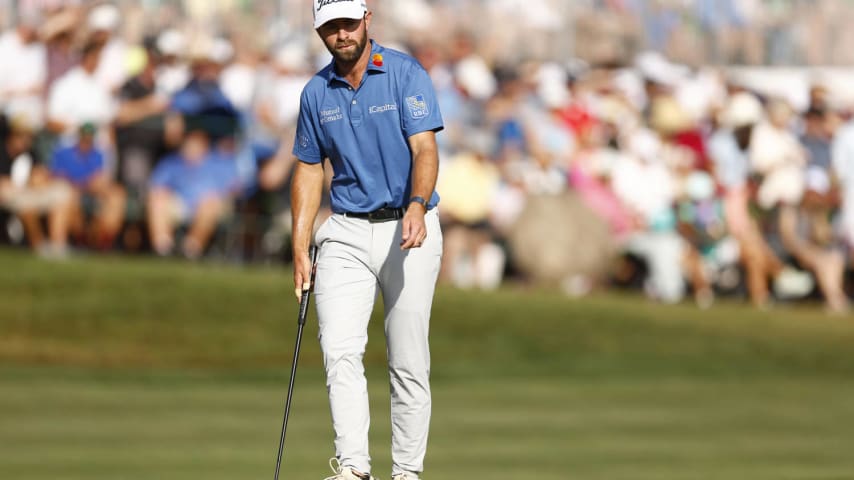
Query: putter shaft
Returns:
{"type": "Point", "coordinates": [303, 312]}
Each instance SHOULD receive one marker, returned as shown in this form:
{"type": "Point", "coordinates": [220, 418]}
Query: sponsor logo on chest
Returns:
{"type": "Point", "coordinates": [329, 115]}
{"type": "Point", "coordinates": [388, 107]}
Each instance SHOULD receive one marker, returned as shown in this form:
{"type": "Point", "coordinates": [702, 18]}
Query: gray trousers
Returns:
{"type": "Point", "coordinates": [358, 260]}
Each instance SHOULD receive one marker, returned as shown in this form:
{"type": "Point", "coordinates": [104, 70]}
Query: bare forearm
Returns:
{"type": "Point", "coordinates": [425, 170]}
{"type": "Point", "coordinates": [306, 191]}
{"type": "Point", "coordinates": [275, 172]}
{"type": "Point", "coordinates": [136, 110]}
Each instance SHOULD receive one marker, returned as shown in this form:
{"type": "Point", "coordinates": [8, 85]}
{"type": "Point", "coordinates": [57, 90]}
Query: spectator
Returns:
{"type": "Point", "coordinates": [27, 190]}
{"type": "Point", "coordinates": [275, 113]}
{"type": "Point", "coordinates": [202, 98]}
{"type": "Point", "coordinates": [23, 71]}
{"type": "Point", "coordinates": [111, 71]}
{"type": "Point", "coordinates": [778, 157]}
{"type": "Point", "coordinates": [140, 126]}
{"type": "Point", "coordinates": [842, 156]}
{"type": "Point", "coordinates": [172, 73]}
{"type": "Point", "coordinates": [239, 77]}
{"type": "Point", "coordinates": [95, 194]}
{"type": "Point", "coordinates": [647, 189]}
{"type": "Point", "coordinates": [729, 147]}
{"type": "Point", "coordinates": [58, 32]}
{"type": "Point", "coordinates": [469, 182]}
{"type": "Point", "coordinates": [192, 187]}
{"type": "Point", "coordinates": [277, 104]}
{"type": "Point", "coordinates": [683, 152]}
{"type": "Point", "coordinates": [820, 195]}
{"type": "Point", "coordinates": [78, 97]}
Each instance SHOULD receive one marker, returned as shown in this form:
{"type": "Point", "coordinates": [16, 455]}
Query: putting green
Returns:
{"type": "Point", "coordinates": [114, 368]}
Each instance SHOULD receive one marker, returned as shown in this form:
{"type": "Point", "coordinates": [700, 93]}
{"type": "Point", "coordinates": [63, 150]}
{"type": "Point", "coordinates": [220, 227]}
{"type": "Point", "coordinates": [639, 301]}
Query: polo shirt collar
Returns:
{"type": "Point", "coordinates": [376, 63]}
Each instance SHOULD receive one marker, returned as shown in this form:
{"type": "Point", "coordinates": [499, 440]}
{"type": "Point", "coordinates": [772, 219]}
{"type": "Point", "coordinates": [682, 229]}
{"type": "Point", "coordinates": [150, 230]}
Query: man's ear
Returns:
{"type": "Point", "coordinates": [368, 15]}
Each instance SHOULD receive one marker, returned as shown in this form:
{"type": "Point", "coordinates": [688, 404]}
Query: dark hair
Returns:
{"type": "Point", "coordinates": [815, 112]}
{"type": "Point", "coordinates": [89, 48]}
{"type": "Point", "coordinates": [743, 135]}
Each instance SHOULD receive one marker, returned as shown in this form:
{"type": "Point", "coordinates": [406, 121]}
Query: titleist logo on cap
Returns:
{"type": "Point", "coordinates": [323, 3]}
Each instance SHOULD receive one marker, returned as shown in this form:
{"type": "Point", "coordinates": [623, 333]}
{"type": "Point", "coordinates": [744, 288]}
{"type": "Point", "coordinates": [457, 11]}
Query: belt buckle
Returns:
{"type": "Point", "coordinates": [384, 214]}
{"type": "Point", "coordinates": [373, 217]}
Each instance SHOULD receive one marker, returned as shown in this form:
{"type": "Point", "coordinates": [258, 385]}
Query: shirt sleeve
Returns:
{"type": "Point", "coordinates": [307, 147]}
{"type": "Point", "coordinates": [162, 175]}
{"type": "Point", "coordinates": [420, 106]}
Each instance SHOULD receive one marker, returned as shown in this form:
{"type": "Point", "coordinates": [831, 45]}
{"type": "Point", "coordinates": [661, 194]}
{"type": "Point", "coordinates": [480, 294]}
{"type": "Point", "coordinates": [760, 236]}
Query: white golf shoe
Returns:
{"type": "Point", "coordinates": [405, 476]}
{"type": "Point", "coordinates": [345, 473]}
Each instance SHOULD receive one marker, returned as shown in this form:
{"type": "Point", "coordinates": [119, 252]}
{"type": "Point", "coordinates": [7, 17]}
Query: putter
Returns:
{"type": "Point", "coordinates": [303, 310]}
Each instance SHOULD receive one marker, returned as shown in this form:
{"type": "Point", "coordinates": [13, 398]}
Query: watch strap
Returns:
{"type": "Point", "coordinates": [418, 199]}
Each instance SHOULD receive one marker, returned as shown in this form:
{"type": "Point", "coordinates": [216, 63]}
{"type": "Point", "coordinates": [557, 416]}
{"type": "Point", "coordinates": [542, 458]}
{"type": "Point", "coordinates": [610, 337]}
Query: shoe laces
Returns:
{"type": "Point", "coordinates": [338, 470]}
{"type": "Point", "coordinates": [335, 465]}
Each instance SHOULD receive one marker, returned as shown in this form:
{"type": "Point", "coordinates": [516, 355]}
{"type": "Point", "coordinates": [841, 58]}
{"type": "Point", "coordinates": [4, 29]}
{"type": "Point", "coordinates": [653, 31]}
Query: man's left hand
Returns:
{"type": "Point", "coordinates": [414, 228]}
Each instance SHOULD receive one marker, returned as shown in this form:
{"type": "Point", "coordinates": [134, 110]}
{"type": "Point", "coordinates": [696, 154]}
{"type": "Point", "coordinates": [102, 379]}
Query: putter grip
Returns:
{"type": "Point", "coordinates": [303, 301]}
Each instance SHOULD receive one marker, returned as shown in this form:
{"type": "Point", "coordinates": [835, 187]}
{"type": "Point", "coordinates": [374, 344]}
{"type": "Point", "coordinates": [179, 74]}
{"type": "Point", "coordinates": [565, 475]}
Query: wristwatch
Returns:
{"type": "Point", "coordinates": [420, 200]}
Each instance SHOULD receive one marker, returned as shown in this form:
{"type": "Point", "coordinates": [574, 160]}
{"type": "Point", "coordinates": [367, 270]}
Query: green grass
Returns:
{"type": "Point", "coordinates": [116, 368]}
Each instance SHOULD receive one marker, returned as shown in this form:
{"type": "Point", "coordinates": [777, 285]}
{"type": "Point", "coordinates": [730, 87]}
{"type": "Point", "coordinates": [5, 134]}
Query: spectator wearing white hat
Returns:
{"type": "Point", "coordinates": [203, 93]}
{"type": "Point", "coordinates": [777, 155]}
{"type": "Point", "coordinates": [276, 109]}
{"type": "Point", "coordinates": [239, 78]}
{"type": "Point", "coordinates": [173, 73]}
{"type": "Point", "coordinates": [278, 98]}
{"type": "Point", "coordinates": [103, 21]}
{"type": "Point", "coordinates": [471, 72]}
{"type": "Point", "coordinates": [78, 97]}
{"type": "Point", "coordinates": [23, 70]}
{"type": "Point", "coordinates": [820, 195]}
{"type": "Point", "coordinates": [728, 148]}
{"type": "Point", "coordinates": [647, 189]}
{"type": "Point", "coordinates": [684, 152]}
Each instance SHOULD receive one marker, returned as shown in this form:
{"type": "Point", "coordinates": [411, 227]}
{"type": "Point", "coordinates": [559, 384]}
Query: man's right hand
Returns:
{"type": "Point", "coordinates": [306, 189]}
{"type": "Point", "coordinates": [302, 273]}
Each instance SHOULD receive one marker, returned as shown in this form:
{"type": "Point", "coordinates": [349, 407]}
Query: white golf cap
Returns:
{"type": "Point", "coordinates": [326, 10]}
{"type": "Point", "coordinates": [171, 42]}
{"type": "Point", "coordinates": [104, 17]}
{"type": "Point", "coordinates": [743, 109]}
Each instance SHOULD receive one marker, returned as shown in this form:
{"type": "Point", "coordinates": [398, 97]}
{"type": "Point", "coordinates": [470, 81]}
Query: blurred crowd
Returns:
{"type": "Point", "coordinates": [587, 160]}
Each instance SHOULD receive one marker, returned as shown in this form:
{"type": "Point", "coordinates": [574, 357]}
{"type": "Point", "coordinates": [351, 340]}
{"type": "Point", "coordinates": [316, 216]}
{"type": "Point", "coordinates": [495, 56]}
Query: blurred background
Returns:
{"type": "Point", "coordinates": [648, 212]}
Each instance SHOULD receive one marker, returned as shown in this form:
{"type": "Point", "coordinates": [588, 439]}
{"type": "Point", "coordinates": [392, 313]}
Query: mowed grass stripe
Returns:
{"type": "Point", "coordinates": [141, 313]}
{"type": "Point", "coordinates": [229, 429]}
{"type": "Point", "coordinates": [116, 368]}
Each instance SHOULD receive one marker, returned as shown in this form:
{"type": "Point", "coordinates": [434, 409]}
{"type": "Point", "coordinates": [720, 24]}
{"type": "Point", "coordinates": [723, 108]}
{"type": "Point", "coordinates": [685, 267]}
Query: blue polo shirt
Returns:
{"type": "Point", "coordinates": [364, 131]}
{"type": "Point", "coordinates": [216, 176]}
{"type": "Point", "coordinates": [76, 166]}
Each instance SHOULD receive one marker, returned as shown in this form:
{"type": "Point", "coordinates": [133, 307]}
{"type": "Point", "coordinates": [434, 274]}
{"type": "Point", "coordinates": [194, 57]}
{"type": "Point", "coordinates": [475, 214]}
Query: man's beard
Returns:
{"type": "Point", "coordinates": [349, 56]}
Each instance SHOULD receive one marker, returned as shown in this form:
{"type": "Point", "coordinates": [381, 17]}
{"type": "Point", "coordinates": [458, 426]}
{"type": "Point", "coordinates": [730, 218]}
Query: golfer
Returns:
{"type": "Point", "coordinates": [373, 113]}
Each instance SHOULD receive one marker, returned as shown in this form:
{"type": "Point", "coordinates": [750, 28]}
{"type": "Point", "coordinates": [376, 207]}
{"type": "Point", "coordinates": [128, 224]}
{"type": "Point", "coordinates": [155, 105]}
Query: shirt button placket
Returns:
{"type": "Point", "coordinates": [355, 113]}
